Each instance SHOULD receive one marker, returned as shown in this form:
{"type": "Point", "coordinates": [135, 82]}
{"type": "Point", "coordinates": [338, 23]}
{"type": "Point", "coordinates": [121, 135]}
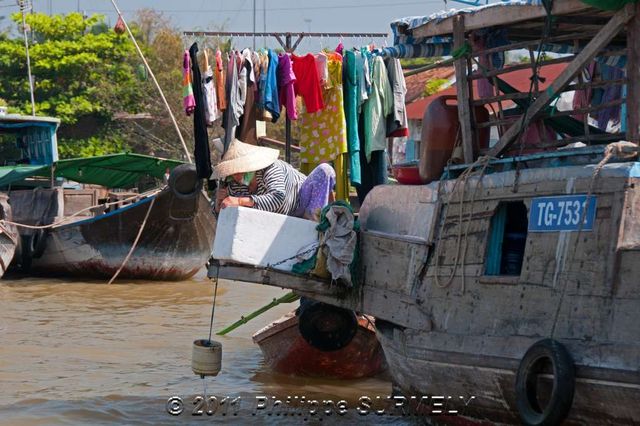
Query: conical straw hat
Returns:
{"type": "Point", "coordinates": [242, 158]}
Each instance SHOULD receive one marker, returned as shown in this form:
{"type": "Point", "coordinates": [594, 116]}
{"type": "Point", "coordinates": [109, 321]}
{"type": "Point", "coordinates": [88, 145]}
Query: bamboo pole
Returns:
{"type": "Point", "coordinates": [287, 298]}
{"type": "Point", "coordinates": [153, 77]}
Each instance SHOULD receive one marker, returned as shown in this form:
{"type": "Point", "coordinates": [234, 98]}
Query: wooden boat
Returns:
{"type": "Point", "coordinates": [286, 351]}
{"type": "Point", "coordinates": [174, 244]}
{"type": "Point", "coordinates": [84, 229]}
{"type": "Point", "coordinates": [507, 292]}
{"type": "Point", "coordinates": [8, 236]}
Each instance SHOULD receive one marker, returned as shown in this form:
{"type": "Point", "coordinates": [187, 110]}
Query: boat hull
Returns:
{"type": "Point", "coordinates": [285, 351]}
{"type": "Point", "coordinates": [8, 236]}
{"type": "Point", "coordinates": [175, 243]}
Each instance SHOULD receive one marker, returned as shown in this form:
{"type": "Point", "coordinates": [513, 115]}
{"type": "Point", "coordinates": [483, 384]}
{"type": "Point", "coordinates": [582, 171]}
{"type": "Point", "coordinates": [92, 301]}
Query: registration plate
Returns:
{"type": "Point", "coordinates": [562, 213]}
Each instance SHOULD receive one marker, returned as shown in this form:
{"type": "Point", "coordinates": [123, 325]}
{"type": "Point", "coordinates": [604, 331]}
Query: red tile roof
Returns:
{"type": "Point", "coordinates": [519, 79]}
{"type": "Point", "coordinates": [417, 82]}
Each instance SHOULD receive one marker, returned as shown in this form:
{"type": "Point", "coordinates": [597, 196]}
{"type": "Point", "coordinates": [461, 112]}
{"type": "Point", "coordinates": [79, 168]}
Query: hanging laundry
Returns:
{"type": "Point", "coordinates": [235, 107]}
{"type": "Point", "coordinates": [271, 100]}
{"type": "Point", "coordinates": [376, 109]}
{"type": "Point", "coordinates": [350, 85]}
{"type": "Point", "coordinates": [340, 48]}
{"type": "Point", "coordinates": [188, 101]}
{"type": "Point", "coordinates": [323, 134]}
{"type": "Point", "coordinates": [307, 83]}
{"type": "Point", "coordinates": [211, 104]}
{"type": "Point", "coordinates": [363, 94]}
{"type": "Point", "coordinates": [610, 93]}
{"type": "Point", "coordinates": [367, 69]}
{"type": "Point", "coordinates": [246, 130]}
{"type": "Point", "coordinates": [286, 81]}
{"type": "Point", "coordinates": [321, 66]}
{"type": "Point", "coordinates": [201, 150]}
{"type": "Point", "coordinates": [397, 124]}
{"type": "Point", "coordinates": [220, 85]}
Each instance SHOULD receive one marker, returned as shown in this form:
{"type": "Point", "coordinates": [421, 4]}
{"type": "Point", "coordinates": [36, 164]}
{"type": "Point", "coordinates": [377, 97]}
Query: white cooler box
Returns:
{"type": "Point", "coordinates": [259, 238]}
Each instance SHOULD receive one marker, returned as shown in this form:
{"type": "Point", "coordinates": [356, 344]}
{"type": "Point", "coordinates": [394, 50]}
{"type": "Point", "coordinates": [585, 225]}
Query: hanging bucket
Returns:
{"type": "Point", "coordinates": [206, 358]}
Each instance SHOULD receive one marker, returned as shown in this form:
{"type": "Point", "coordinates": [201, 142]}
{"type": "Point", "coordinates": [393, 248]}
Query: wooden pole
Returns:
{"type": "Point", "coordinates": [153, 77]}
{"type": "Point", "coordinates": [633, 77]}
{"type": "Point", "coordinates": [462, 88]}
{"type": "Point", "coordinates": [287, 149]}
{"type": "Point", "coordinates": [604, 36]}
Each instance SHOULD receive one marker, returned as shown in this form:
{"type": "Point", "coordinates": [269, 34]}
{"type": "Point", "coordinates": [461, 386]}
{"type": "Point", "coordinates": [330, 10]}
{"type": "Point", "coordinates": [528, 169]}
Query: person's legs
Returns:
{"type": "Point", "coordinates": [316, 192]}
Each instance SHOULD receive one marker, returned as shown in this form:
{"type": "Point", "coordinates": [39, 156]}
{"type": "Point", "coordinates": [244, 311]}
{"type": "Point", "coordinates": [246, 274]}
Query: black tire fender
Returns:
{"type": "Point", "coordinates": [184, 182]}
{"type": "Point", "coordinates": [537, 356]}
{"type": "Point", "coordinates": [326, 327]}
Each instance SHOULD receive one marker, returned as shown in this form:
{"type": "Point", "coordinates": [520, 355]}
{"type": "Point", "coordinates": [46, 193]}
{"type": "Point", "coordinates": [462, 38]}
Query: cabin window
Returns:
{"type": "Point", "coordinates": [507, 239]}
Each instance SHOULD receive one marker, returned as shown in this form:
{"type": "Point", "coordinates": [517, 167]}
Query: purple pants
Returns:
{"type": "Point", "coordinates": [314, 192]}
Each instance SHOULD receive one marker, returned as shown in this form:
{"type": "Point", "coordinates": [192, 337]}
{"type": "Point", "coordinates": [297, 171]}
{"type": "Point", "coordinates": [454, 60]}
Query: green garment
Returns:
{"type": "Point", "coordinates": [377, 108]}
{"type": "Point", "coordinates": [608, 4]}
{"type": "Point", "coordinates": [350, 88]}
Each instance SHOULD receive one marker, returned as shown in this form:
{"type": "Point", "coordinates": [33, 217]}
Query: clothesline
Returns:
{"type": "Point", "coordinates": [348, 102]}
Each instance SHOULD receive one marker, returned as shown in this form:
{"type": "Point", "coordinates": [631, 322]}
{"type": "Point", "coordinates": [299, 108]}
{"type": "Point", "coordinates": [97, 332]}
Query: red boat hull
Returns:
{"type": "Point", "coordinates": [285, 351]}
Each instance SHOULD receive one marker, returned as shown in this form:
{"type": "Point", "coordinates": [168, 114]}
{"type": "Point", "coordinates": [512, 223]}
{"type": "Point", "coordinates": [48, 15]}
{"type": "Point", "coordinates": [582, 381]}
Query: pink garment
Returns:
{"type": "Point", "coordinates": [340, 48]}
{"type": "Point", "coordinates": [485, 89]}
{"type": "Point", "coordinates": [189, 102]}
{"type": "Point", "coordinates": [286, 80]}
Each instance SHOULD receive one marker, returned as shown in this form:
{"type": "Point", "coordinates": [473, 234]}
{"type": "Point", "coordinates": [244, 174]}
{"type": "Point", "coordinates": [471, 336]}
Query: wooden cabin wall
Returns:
{"type": "Point", "coordinates": [495, 308]}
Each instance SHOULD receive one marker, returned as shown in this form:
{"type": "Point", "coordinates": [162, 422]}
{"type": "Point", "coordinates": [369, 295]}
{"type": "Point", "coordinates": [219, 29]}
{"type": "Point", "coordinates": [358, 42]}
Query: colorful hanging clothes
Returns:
{"type": "Point", "coordinates": [201, 150]}
{"type": "Point", "coordinates": [307, 83]}
{"type": "Point", "coordinates": [211, 106]}
{"type": "Point", "coordinates": [376, 109]}
{"type": "Point", "coordinates": [235, 105]}
{"type": "Point", "coordinates": [323, 134]}
{"type": "Point", "coordinates": [322, 67]}
{"type": "Point", "coordinates": [188, 100]}
{"type": "Point", "coordinates": [246, 130]}
{"type": "Point", "coordinates": [286, 81]}
{"type": "Point", "coordinates": [271, 100]}
{"type": "Point", "coordinates": [350, 83]}
{"type": "Point", "coordinates": [220, 86]}
{"type": "Point", "coordinates": [397, 124]}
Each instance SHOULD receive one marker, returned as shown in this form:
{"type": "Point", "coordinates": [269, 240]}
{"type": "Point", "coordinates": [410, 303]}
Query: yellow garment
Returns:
{"type": "Point", "coordinates": [323, 134]}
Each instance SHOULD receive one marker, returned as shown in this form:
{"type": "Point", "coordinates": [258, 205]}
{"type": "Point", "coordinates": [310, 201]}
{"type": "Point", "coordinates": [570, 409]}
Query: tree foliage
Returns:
{"type": "Point", "coordinates": [80, 68]}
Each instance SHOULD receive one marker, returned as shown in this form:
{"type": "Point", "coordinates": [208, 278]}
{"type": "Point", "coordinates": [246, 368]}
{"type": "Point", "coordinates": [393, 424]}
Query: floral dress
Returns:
{"type": "Point", "coordinates": [323, 134]}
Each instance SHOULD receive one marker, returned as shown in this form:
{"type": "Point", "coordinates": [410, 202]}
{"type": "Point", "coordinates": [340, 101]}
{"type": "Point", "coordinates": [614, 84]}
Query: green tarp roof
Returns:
{"type": "Point", "coordinates": [113, 171]}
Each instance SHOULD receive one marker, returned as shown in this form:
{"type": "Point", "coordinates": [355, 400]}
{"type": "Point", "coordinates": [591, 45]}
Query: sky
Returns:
{"type": "Point", "coordinates": [237, 15]}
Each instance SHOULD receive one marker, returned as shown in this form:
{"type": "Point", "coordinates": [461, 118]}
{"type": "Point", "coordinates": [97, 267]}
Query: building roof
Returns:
{"type": "Point", "coordinates": [416, 83]}
{"type": "Point", "coordinates": [519, 79]}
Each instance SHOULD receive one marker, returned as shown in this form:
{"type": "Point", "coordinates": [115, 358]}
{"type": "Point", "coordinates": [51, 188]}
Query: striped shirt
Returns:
{"type": "Point", "coordinates": [277, 190]}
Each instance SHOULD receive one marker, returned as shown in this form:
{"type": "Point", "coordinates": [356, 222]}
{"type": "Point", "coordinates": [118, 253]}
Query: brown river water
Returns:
{"type": "Point", "coordinates": [90, 353]}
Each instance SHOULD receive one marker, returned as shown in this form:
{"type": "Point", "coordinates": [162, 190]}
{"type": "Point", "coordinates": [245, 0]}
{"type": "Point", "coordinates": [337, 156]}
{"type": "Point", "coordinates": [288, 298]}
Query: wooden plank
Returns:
{"type": "Point", "coordinates": [462, 88]}
{"type": "Point", "coordinates": [582, 59]}
{"type": "Point", "coordinates": [633, 76]}
{"type": "Point", "coordinates": [497, 16]}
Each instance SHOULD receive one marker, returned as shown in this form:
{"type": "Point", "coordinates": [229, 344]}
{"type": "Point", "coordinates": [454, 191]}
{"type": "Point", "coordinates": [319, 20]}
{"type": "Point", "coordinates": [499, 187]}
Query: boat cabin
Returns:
{"type": "Point", "coordinates": [526, 246]}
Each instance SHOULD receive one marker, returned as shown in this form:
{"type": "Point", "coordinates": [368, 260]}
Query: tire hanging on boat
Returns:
{"type": "Point", "coordinates": [326, 327]}
{"type": "Point", "coordinates": [184, 182]}
{"type": "Point", "coordinates": [540, 355]}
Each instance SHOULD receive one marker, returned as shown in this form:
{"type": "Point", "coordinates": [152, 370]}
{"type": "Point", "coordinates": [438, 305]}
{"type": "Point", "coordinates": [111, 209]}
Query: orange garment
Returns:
{"type": "Point", "coordinates": [220, 92]}
{"type": "Point", "coordinates": [307, 84]}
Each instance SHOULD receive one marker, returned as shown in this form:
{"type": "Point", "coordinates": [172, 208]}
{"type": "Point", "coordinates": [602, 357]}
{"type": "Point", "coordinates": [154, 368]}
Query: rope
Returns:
{"type": "Point", "coordinates": [213, 307]}
{"type": "Point", "coordinates": [67, 218]}
{"type": "Point", "coordinates": [153, 77]}
{"type": "Point", "coordinates": [135, 242]}
{"type": "Point", "coordinates": [482, 162]}
{"type": "Point", "coordinates": [313, 248]}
